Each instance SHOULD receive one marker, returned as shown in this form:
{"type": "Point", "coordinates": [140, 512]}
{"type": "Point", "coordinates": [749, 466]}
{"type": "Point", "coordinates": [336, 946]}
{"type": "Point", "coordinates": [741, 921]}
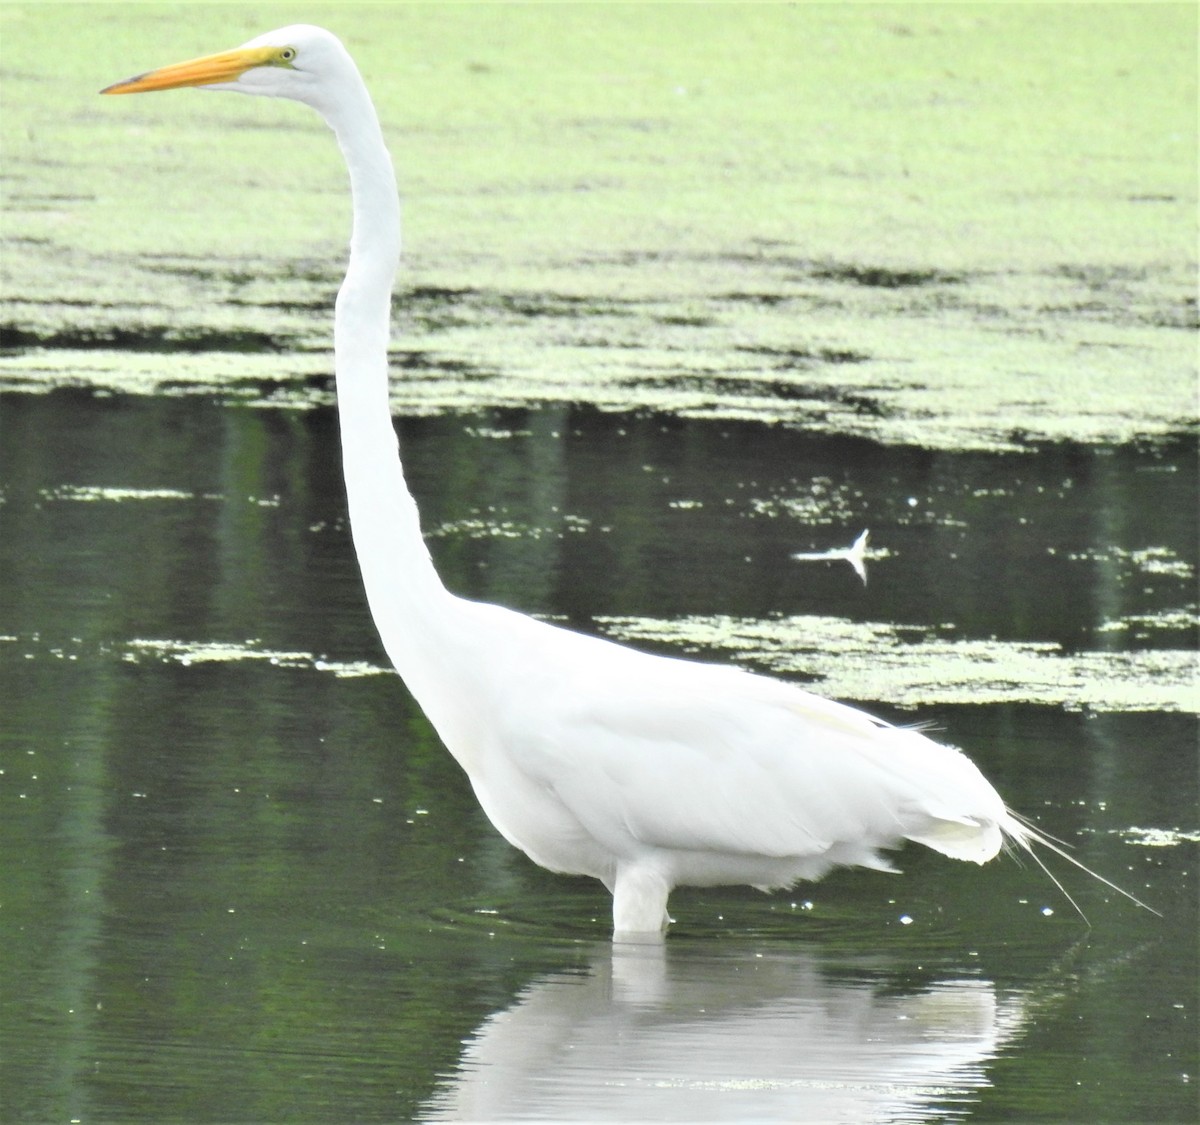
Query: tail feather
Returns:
{"type": "Point", "coordinates": [1021, 832]}
{"type": "Point", "coordinates": [961, 837]}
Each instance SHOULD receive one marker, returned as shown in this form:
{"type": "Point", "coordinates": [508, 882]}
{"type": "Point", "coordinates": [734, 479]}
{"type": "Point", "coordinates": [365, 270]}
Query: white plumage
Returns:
{"type": "Point", "coordinates": [644, 771]}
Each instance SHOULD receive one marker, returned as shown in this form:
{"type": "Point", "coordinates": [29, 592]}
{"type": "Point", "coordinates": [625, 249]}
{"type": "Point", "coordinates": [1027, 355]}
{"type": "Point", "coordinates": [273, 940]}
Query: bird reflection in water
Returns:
{"type": "Point", "coordinates": [650, 1032]}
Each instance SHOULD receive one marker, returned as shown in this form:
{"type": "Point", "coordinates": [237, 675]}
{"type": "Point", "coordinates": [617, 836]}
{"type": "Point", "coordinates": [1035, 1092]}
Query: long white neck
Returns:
{"type": "Point", "coordinates": [407, 599]}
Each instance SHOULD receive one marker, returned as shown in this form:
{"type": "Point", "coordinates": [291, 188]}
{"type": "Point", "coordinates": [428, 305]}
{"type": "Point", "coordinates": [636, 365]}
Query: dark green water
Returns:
{"type": "Point", "coordinates": [243, 882]}
{"type": "Point", "coordinates": [683, 299]}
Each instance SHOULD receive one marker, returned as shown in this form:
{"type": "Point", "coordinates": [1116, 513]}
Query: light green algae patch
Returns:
{"type": "Point", "coordinates": [188, 653]}
{"type": "Point", "coordinates": [910, 667]}
{"type": "Point", "coordinates": [233, 652]}
{"type": "Point", "coordinates": [925, 375]}
{"type": "Point", "coordinates": [99, 493]}
{"type": "Point", "coordinates": [903, 667]}
{"type": "Point", "coordinates": [246, 379]}
{"type": "Point", "coordinates": [946, 226]}
{"type": "Point", "coordinates": [1158, 837]}
{"type": "Point", "coordinates": [1142, 626]}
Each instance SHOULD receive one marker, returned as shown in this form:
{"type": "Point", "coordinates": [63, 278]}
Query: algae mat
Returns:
{"type": "Point", "coordinates": [948, 226]}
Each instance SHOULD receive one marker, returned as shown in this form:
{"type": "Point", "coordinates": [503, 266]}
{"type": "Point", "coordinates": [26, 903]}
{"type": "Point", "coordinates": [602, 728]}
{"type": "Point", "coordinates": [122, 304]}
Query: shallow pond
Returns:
{"type": "Point", "coordinates": [240, 880]}
{"type": "Point", "coordinates": [244, 882]}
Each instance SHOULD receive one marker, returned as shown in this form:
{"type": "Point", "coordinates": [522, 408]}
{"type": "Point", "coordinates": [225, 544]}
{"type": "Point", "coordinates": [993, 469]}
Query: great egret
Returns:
{"type": "Point", "coordinates": [644, 771]}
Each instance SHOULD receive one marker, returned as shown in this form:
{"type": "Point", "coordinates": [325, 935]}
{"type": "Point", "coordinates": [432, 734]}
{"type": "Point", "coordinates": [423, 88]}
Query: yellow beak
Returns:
{"type": "Point", "coordinates": [224, 67]}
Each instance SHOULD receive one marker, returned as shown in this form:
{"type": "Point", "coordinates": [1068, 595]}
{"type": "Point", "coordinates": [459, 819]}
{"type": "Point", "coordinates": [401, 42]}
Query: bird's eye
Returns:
{"type": "Point", "coordinates": [287, 54]}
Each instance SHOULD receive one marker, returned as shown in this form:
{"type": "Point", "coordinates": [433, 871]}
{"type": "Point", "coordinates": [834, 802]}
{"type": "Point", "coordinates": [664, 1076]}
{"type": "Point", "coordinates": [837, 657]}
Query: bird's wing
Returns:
{"type": "Point", "coordinates": [682, 755]}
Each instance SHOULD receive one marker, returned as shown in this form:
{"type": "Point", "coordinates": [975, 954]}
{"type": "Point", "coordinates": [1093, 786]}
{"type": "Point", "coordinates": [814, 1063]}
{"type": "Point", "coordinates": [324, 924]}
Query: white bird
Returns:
{"type": "Point", "coordinates": [643, 771]}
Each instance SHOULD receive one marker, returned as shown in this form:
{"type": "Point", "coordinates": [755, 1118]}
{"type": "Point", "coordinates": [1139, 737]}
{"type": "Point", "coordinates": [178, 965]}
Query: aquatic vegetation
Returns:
{"type": "Point", "coordinates": [910, 666]}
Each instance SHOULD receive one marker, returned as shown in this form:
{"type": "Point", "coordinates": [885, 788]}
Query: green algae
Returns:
{"type": "Point", "coordinates": [903, 666]}
{"type": "Point", "coordinates": [942, 226]}
{"type": "Point", "coordinates": [910, 667]}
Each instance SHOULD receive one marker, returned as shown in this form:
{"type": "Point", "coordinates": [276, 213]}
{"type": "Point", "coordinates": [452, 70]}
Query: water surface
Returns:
{"type": "Point", "coordinates": [677, 308]}
{"type": "Point", "coordinates": [236, 848]}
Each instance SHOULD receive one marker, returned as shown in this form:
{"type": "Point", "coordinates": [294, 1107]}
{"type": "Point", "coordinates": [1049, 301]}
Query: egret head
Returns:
{"type": "Point", "coordinates": [296, 62]}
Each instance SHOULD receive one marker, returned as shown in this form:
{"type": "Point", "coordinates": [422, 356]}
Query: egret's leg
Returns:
{"type": "Point", "coordinates": [640, 901]}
